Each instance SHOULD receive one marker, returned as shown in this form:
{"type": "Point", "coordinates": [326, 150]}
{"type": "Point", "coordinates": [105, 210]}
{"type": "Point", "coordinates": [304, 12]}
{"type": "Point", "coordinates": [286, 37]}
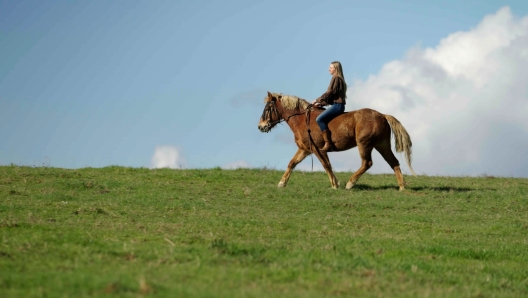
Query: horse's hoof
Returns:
{"type": "Point", "coordinates": [402, 188]}
{"type": "Point", "coordinates": [281, 184]}
{"type": "Point", "coordinates": [350, 185]}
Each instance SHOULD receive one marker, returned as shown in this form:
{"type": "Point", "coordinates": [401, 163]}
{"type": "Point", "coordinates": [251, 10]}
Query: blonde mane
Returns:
{"type": "Point", "coordinates": [289, 102]}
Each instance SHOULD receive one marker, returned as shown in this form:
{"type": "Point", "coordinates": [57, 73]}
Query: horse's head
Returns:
{"type": "Point", "coordinates": [270, 116]}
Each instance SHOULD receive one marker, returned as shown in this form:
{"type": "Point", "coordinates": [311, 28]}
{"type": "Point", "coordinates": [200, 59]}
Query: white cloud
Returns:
{"type": "Point", "coordinates": [167, 157]}
{"type": "Point", "coordinates": [236, 165]}
{"type": "Point", "coordinates": [464, 102]}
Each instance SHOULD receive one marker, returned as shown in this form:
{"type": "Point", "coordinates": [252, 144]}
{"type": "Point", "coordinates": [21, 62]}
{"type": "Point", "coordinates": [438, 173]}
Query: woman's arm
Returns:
{"type": "Point", "coordinates": [332, 90]}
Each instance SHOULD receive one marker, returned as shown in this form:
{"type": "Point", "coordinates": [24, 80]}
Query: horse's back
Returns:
{"type": "Point", "coordinates": [360, 116]}
{"type": "Point", "coordinates": [362, 124]}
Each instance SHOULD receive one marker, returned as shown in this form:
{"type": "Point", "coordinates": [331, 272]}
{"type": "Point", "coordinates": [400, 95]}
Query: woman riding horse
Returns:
{"type": "Point", "coordinates": [335, 96]}
{"type": "Point", "coordinates": [365, 128]}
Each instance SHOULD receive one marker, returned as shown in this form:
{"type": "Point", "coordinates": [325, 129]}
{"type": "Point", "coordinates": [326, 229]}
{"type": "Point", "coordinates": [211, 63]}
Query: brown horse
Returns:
{"type": "Point", "coordinates": [367, 129]}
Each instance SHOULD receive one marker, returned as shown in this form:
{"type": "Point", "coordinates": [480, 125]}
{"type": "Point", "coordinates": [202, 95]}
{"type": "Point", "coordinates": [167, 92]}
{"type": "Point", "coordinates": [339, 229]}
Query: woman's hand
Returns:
{"type": "Point", "coordinates": [315, 103]}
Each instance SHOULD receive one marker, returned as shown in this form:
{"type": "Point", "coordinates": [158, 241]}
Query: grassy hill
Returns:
{"type": "Point", "coordinates": [128, 232]}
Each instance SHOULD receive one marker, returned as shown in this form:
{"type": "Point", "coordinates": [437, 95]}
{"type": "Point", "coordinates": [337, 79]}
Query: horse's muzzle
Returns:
{"type": "Point", "coordinates": [264, 127]}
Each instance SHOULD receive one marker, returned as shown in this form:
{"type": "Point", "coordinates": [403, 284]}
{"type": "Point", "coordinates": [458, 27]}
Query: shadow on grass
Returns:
{"type": "Point", "coordinates": [442, 189]}
{"type": "Point", "coordinates": [449, 189]}
{"type": "Point", "coordinates": [368, 187]}
{"type": "Point", "coordinates": [439, 188]}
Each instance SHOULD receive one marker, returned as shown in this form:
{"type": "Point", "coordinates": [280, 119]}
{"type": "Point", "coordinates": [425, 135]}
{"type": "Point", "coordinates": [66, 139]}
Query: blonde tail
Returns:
{"type": "Point", "coordinates": [402, 139]}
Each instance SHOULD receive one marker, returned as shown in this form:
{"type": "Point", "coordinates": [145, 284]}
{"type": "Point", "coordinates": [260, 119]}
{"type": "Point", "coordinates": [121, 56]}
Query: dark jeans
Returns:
{"type": "Point", "coordinates": [330, 113]}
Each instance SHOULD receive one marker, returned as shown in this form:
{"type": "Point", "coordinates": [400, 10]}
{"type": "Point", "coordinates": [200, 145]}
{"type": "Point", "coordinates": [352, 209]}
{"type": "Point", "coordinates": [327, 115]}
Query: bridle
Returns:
{"type": "Point", "coordinates": [271, 109]}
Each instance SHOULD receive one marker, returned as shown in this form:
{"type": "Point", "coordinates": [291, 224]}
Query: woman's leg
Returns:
{"type": "Point", "coordinates": [323, 119]}
{"type": "Point", "coordinates": [329, 114]}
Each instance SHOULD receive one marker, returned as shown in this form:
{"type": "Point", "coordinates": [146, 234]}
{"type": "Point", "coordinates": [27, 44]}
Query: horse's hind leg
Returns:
{"type": "Point", "coordinates": [365, 152]}
{"type": "Point", "coordinates": [385, 151]}
{"type": "Point", "coordinates": [325, 161]}
{"type": "Point", "coordinates": [297, 158]}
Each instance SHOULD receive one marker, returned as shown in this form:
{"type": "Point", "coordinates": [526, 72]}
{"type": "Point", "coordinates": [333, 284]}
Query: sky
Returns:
{"type": "Point", "coordinates": [180, 84]}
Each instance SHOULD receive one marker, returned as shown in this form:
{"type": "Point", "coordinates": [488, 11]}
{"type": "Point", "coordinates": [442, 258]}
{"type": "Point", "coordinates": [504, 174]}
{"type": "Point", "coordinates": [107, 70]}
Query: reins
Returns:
{"type": "Point", "coordinates": [310, 135]}
{"type": "Point", "coordinates": [307, 110]}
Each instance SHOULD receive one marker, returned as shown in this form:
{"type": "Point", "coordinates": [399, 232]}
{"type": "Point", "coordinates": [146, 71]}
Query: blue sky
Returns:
{"type": "Point", "coordinates": [99, 83]}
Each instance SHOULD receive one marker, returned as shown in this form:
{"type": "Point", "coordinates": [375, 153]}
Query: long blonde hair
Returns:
{"type": "Point", "coordinates": [339, 72]}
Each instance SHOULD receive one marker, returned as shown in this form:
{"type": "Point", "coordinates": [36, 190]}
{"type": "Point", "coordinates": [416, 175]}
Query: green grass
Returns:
{"type": "Point", "coordinates": [129, 232]}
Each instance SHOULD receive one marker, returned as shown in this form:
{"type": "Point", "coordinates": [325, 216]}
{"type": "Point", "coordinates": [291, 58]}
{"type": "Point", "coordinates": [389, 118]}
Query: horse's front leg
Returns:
{"type": "Point", "coordinates": [297, 158]}
{"type": "Point", "coordinates": [325, 161]}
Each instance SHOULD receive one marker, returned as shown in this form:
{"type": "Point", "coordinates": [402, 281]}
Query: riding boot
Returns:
{"type": "Point", "coordinates": [328, 141]}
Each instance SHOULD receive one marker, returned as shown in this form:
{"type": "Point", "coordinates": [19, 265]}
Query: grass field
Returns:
{"type": "Point", "coordinates": [129, 232]}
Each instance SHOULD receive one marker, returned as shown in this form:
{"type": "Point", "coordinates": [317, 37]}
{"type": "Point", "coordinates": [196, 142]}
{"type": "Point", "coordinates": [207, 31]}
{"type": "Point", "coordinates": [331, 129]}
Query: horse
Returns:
{"type": "Point", "coordinates": [365, 128]}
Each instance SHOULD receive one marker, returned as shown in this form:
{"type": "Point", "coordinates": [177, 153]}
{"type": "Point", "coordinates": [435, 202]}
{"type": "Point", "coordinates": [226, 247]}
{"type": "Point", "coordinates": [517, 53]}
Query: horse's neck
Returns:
{"type": "Point", "coordinates": [290, 114]}
{"type": "Point", "coordinates": [296, 119]}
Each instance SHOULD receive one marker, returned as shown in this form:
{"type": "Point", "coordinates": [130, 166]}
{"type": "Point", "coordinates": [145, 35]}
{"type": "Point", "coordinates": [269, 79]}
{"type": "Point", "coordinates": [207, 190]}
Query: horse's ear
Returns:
{"type": "Point", "coordinates": [270, 97]}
